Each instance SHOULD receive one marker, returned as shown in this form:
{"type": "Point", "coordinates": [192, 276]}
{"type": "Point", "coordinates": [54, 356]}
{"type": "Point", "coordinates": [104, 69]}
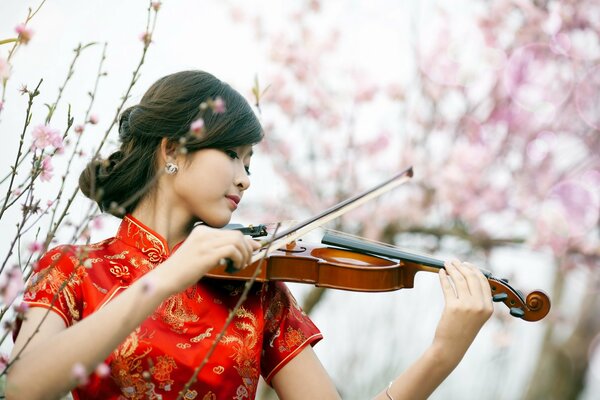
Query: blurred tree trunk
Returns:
{"type": "Point", "coordinates": [562, 365]}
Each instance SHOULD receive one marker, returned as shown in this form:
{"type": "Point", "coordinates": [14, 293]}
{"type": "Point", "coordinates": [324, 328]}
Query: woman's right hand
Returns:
{"type": "Point", "coordinates": [201, 251]}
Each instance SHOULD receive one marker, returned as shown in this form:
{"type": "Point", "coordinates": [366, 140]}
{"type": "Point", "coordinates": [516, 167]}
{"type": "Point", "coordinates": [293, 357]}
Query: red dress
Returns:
{"type": "Point", "coordinates": [158, 358]}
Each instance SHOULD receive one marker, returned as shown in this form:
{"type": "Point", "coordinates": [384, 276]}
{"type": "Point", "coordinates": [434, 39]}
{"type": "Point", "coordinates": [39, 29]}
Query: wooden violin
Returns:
{"type": "Point", "coordinates": [353, 264]}
{"type": "Point", "coordinates": [347, 263]}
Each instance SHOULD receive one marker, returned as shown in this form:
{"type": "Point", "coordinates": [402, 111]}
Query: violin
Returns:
{"type": "Point", "coordinates": [345, 263]}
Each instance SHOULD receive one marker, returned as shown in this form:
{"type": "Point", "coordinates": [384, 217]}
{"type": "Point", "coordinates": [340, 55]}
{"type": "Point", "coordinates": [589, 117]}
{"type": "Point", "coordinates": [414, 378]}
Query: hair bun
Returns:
{"type": "Point", "coordinates": [125, 123]}
{"type": "Point", "coordinates": [94, 177]}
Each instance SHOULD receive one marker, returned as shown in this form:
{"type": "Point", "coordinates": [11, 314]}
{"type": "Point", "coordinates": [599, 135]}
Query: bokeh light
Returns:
{"type": "Point", "coordinates": [539, 79]}
{"type": "Point", "coordinates": [587, 98]}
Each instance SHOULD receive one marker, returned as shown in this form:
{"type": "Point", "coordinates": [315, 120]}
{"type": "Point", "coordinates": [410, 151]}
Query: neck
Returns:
{"type": "Point", "coordinates": [169, 222]}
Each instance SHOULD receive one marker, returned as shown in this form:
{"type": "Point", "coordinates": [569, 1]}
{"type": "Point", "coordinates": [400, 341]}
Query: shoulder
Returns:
{"type": "Point", "coordinates": [69, 258]}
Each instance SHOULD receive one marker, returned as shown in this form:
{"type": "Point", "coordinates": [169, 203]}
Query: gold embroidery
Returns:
{"type": "Point", "coordinates": [210, 396]}
{"type": "Point", "coordinates": [218, 369]}
{"type": "Point", "coordinates": [183, 346]}
{"type": "Point", "coordinates": [202, 336]}
{"type": "Point", "coordinates": [127, 369]}
{"type": "Point", "coordinates": [190, 394]}
{"type": "Point", "coordinates": [52, 281]}
{"type": "Point", "coordinates": [162, 371]}
{"type": "Point", "coordinates": [174, 313]}
{"type": "Point", "coordinates": [119, 256]}
{"type": "Point", "coordinates": [293, 337]}
{"type": "Point", "coordinates": [243, 344]}
{"type": "Point", "coordinates": [119, 271]}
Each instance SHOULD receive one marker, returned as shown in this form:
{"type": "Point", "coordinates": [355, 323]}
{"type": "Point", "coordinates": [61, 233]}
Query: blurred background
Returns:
{"type": "Point", "coordinates": [495, 104]}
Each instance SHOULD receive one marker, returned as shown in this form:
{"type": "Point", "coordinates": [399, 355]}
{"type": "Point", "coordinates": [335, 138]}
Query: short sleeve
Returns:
{"type": "Point", "coordinates": [287, 330]}
{"type": "Point", "coordinates": [57, 284]}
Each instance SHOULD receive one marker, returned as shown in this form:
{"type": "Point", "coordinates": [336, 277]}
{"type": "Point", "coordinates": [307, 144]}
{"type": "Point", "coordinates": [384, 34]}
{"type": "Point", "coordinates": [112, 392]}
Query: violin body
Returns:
{"type": "Point", "coordinates": [338, 268]}
{"type": "Point", "coordinates": [323, 266]}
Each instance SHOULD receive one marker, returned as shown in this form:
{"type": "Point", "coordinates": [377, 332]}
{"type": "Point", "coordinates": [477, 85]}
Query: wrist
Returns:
{"type": "Point", "coordinates": [444, 356]}
{"type": "Point", "coordinates": [159, 282]}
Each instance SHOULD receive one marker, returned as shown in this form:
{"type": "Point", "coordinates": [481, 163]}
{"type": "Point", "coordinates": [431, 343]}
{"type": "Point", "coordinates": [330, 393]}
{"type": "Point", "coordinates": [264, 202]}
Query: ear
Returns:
{"type": "Point", "coordinates": [167, 151]}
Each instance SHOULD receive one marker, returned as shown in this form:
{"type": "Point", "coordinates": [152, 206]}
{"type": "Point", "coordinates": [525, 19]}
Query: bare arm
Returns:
{"type": "Point", "coordinates": [468, 307]}
{"type": "Point", "coordinates": [54, 350]}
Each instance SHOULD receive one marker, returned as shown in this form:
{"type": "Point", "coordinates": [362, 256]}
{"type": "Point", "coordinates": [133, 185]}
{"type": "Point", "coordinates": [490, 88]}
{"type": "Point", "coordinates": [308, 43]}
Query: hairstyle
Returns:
{"type": "Point", "coordinates": [167, 110]}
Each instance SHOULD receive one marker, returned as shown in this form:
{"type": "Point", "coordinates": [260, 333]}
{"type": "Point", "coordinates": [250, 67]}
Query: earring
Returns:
{"type": "Point", "coordinates": [171, 169]}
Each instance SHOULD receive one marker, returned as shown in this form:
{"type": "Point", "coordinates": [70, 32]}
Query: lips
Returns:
{"type": "Point", "coordinates": [233, 200]}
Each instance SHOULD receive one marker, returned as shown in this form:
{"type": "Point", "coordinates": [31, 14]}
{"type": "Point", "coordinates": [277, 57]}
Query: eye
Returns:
{"type": "Point", "coordinates": [232, 154]}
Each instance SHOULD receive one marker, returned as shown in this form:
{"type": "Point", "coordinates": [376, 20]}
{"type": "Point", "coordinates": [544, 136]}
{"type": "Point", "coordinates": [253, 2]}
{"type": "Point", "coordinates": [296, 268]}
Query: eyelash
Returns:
{"type": "Point", "coordinates": [235, 156]}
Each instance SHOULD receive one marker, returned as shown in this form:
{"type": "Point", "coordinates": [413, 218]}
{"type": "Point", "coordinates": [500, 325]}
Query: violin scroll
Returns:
{"type": "Point", "coordinates": [532, 308]}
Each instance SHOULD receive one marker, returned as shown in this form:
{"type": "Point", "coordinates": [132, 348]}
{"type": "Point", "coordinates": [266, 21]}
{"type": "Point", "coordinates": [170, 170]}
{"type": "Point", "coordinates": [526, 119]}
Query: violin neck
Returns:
{"type": "Point", "coordinates": [355, 244]}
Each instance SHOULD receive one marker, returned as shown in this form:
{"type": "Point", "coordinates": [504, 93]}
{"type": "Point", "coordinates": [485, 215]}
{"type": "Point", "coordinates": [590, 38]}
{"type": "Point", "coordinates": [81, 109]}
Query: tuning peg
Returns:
{"type": "Point", "coordinates": [499, 297]}
{"type": "Point", "coordinates": [517, 312]}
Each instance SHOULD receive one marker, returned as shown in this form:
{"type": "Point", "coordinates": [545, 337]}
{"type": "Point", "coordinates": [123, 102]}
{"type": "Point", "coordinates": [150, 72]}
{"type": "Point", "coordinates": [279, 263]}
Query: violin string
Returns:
{"type": "Point", "coordinates": [377, 242]}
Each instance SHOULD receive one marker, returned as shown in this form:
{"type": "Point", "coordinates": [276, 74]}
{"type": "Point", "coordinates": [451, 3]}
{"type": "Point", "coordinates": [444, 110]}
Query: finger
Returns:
{"type": "Point", "coordinates": [472, 276]}
{"type": "Point", "coordinates": [482, 282]}
{"type": "Point", "coordinates": [447, 289]}
{"type": "Point", "coordinates": [254, 244]}
{"type": "Point", "coordinates": [232, 253]}
{"type": "Point", "coordinates": [457, 277]}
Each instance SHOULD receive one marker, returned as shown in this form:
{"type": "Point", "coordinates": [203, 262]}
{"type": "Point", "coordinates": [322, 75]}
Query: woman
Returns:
{"type": "Point", "coordinates": [137, 302]}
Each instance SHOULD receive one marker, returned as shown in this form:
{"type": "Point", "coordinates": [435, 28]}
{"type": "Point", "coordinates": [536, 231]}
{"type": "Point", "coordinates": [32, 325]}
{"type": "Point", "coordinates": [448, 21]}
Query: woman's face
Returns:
{"type": "Point", "coordinates": [212, 182]}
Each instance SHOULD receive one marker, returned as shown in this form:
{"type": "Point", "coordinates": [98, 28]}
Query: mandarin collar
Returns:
{"type": "Point", "coordinates": [134, 233]}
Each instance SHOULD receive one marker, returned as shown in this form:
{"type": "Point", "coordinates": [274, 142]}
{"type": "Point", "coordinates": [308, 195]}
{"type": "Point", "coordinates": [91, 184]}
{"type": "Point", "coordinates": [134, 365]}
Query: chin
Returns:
{"type": "Point", "coordinates": [217, 221]}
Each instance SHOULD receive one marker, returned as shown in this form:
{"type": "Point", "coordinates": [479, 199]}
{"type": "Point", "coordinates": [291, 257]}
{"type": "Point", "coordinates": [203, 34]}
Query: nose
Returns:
{"type": "Point", "coordinates": [242, 180]}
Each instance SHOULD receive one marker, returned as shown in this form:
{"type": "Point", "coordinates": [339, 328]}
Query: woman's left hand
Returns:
{"type": "Point", "coordinates": [468, 306]}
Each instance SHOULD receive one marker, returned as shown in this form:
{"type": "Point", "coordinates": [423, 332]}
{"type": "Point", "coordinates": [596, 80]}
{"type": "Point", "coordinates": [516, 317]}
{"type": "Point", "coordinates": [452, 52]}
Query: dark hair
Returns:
{"type": "Point", "coordinates": [167, 110]}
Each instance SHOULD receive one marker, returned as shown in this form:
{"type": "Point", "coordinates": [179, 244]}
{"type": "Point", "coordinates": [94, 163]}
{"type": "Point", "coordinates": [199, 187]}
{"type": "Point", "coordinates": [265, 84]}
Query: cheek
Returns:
{"type": "Point", "coordinates": [206, 179]}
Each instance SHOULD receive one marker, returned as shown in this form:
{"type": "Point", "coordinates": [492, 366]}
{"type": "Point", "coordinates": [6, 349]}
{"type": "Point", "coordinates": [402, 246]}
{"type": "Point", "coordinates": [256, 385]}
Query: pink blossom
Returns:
{"type": "Point", "coordinates": [79, 129]}
{"type": "Point", "coordinates": [46, 169]}
{"type": "Point", "coordinates": [93, 119]}
{"type": "Point", "coordinates": [3, 362]}
{"type": "Point", "coordinates": [102, 370]}
{"type": "Point", "coordinates": [34, 247]}
{"type": "Point", "coordinates": [1, 105]}
{"type": "Point", "coordinates": [197, 126]}
{"type": "Point", "coordinates": [25, 34]}
{"type": "Point", "coordinates": [381, 142]}
{"type": "Point", "coordinates": [79, 374]}
{"type": "Point", "coordinates": [365, 93]}
{"type": "Point", "coordinates": [21, 308]}
{"type": "Point", "coordinates": [218, 105]}
{"type": "Point", "coordinates": [156, 5]}
{"type": "Point", "coordinates": [4, 69]}
{"type": "Point", "coordinates": [97, 223]}
{"type": "Point", "coordinates": [11, 284]}
{"type": "Point", "coordinates": [44, 136]}
{"type": "Point", "coordinates": [17, 192]}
